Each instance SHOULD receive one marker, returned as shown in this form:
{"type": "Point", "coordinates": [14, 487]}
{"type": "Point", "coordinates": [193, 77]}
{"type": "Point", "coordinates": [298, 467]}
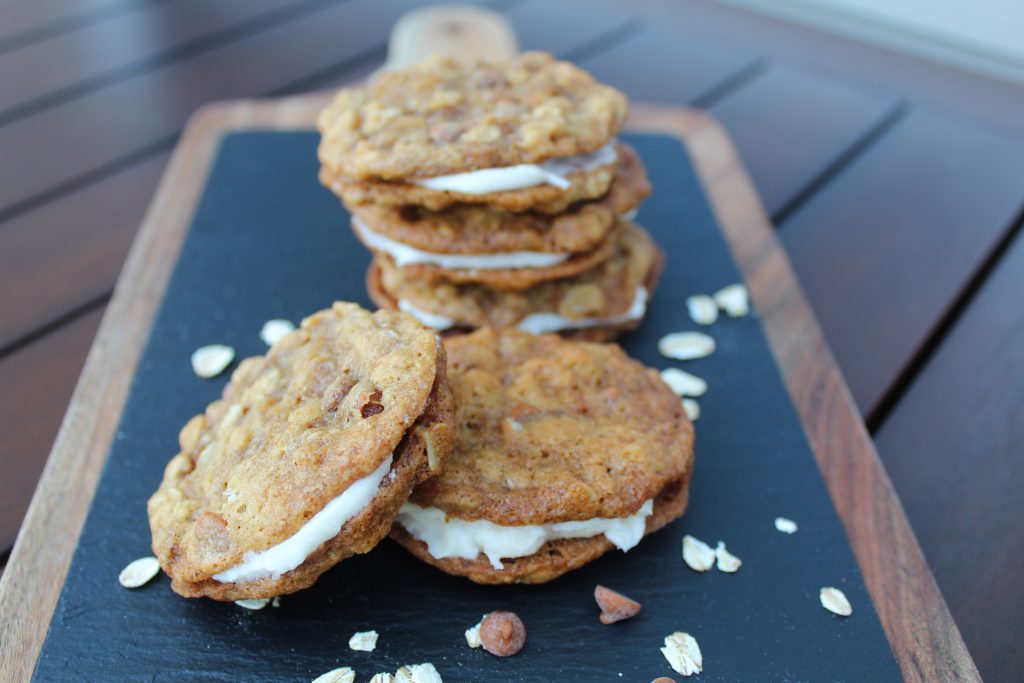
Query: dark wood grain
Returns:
{"type": "Point", "coordinates": [141, 115]}
{"type": "Point", "coordinates": [66, 64]}
{"type": "Point", "coordinates": [68, 252]}
{"type": "Point", "coordinates": [659, 66]}
{"type": "Point", "coordinates": [953, 448]}
{"type": "Point", "coordinates": [888, 244]}
{"type": "Point", "coordinates": [923, 636]}
{"type": "Point", "coordinates": [37, 381]}
{"type": "Point", "coordinates": [790, 127]}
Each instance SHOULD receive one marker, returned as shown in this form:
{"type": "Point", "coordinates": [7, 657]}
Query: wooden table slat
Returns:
{"type": "Point", "coordinates": [884, 248]}
{"type": "Point", "coordinates": [953, 449]}
{"type": "Point", "coordinates": [72, 63]}
{"type": "Point", "coordinates": [69, 251]}
{"type": "Point", "coordinates": [791, 126]}
{"type": "Point", "coordinates": [110, 126]}
{"type": "Point", "coordinates": [659, 66]}
{"type": "Point", "coordinates": [561, 27]}
{"type": "Point", "coordinates": [37, 381]}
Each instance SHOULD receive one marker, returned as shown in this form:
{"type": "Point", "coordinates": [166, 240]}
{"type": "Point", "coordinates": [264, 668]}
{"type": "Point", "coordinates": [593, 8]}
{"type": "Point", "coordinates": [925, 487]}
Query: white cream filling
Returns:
{"type": "Point", "coordinates": [324, 525]}
{"type": "Point", "coordinates": [404, 255]}
{"type": "Point", "coordinates": [449, 537]}
{"type": "Point", "coordinates": [552, 172]}
{"type": "Point", "coordinates": [539, 323]}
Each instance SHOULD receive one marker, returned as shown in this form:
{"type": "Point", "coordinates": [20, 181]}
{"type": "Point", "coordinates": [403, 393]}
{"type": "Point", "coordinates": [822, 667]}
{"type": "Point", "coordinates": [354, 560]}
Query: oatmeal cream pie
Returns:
{"type": "Point", "coordinates": [596, 305]}
{"type": "Point", "coordinates": [306, 458]}
{"type": "Point", "coordinates": [564, 451]}
{"type": "Point", "coordinates": [530, 132]}
{"type": "Point", "coordinates": [471, 243]}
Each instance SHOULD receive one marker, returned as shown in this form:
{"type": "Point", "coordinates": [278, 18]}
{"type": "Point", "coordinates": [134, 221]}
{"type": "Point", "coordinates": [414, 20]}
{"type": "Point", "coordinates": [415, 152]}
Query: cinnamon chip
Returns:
{"type": "Point", "coordinates": [503, 634]}
{"type": "Point", "coordinates": [614, 606]}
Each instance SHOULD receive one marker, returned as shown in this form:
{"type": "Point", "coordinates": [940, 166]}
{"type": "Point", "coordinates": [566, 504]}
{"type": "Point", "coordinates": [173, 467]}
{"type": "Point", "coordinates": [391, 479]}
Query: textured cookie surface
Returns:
{"type": "Point", "coordinates": [326, 406]}
{"type": "Point", "coordinates": [549, 430]}
{"type": "Point", "coordinates": [444, 116]}
{"type": "Point", "coordinates": [602, 292]}
{"type": "Point", "coordinates": [475, 229]}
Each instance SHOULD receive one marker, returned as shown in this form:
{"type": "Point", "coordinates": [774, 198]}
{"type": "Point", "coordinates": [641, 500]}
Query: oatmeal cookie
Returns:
{"type": "Point", "coordinates": [474, 229]}
{"type": "Point", "coordinates": [444, 116]}
{"type": "Point", "coordinates": [550, 431]}
{"type": "Point", "coordinates": [351, 407]}
{"type": "Point", "coordinates": [596, 305]}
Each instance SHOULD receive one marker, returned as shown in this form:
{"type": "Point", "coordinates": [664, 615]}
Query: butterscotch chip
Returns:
{"type": "Point", "coordinates": [605, 294]}
{"type": "Point", "coordinates": [503, 634]}
{"type": "Point", "coordinates": [445, 116]}
{"type": "Point", "coordinates": [614, 606]}
{"type": "Point", "coordinates": [328, 406]}
{"type": "Point", "coordinates": [536, 418]}
{"type": "Point", "coordinates": [474, 229]}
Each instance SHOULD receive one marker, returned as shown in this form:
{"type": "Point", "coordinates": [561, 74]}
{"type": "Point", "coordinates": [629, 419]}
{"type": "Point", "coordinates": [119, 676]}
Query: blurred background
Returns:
{"type": "Point", "coordinates": [886, 140]}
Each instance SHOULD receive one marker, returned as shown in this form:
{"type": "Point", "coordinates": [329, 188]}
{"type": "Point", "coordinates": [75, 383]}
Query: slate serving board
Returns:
{"type": "Point", "coordinates": [267, 241]}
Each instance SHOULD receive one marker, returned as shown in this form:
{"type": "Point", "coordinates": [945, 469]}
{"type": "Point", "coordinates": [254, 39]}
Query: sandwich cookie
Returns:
{"type": "Point", "coordinates": [564, 451]}
{"type": "Point", "coordinates": [306, 458]}
{"type": "Point", "coordinates": [530, 132]}
{"type": "Point", "coordinates": [468, 243]}
{"type": "Point", "coordinates": [596, 305]}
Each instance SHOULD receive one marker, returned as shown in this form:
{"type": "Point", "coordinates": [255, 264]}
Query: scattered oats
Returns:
{"type": "Point", "coordinates": [835, 601]}
{"type": "Point", "coordinates": [210, 361]}
{"type": "Point", "coordinates": [686, 345]}
{"type": "Point", "coordinates": [703, 309]}
{"type": "Point", "coordinates": [364, 641]}
{"type": "Point", "coordinates": [139, 572]}
{"type": "Point", "coordinates": [473, 635]}
{"type": "Point", "coordinates": [697, 554]}
{"type": "Point", "coordinates": [733, 300]}
{"type": "Point", "coordinates": [274, 330]}
{"type": "Point", "coordinates": [727, 562]}
{"type": "Point", "coordinates": [418, 673]}
{"type": "Point", "coordinates": [683, 654]}
{"type": "Point", "coordinates": [786, 526]}
{"type": "Point", "coordinates": [692, 409]}
{"type": "Point", "coordinates": [254, 604]}
{"type": "Point", "coordinates": [276, 601]}
{"type": "Point", "coordinates": [683, 383]}
{"type": "Point", "coordinates": [342, 675]}
{"type": "Point", "coordinates": [382, 678]}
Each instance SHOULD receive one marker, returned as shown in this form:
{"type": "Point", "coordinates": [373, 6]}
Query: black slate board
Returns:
{"type": "Point", "coordinates": [267, 241]}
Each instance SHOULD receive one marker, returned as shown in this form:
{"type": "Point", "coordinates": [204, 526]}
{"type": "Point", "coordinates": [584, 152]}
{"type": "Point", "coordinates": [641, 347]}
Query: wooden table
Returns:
{"type": "Point", "coordinates": [896, 186]}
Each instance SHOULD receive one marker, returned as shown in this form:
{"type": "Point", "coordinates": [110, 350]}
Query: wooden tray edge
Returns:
{"type": "Point", "coordinates": [924, 638]}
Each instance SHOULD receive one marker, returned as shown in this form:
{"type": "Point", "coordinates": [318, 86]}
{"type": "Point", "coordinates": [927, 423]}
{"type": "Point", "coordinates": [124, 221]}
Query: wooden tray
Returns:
{"type": "Point", "coordinates": [923, 637]}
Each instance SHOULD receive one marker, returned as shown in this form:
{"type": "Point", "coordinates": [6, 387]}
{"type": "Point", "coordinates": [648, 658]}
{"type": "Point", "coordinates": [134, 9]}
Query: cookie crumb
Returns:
{"type": "Point", "coordinates": [683, 654]}
{"type": "Point", "coordinates": [703, 309]}
{"type": "Point", "coordinates": [342, 675]}
{"type": "Point", "coordinates": [683, 383]}
{"type": "Point", "coordinates": [727, 562]}
{"type": "Point", "coordinates": [503, 634]}
{"type": "Point", "coordinates": [210, 361]}
{"type": "Point", "coordinates": [139, 572]}
{"type": "Point", "coordinates": [733, 300]}
{"type": "Point", "coordinates": [418, 673]}
{"type": "Point", "coordinates": [275, 329]}
{"type": "Point", "coordinates": [686, 345]}
{"type": "Point", "coordinates": [364, 641]}
{"type": "Point", "coordinates": [614, 606]}
{"type": "Point", "coordinates": [697, 554]}
{"type": "Point", "coordinates": [254, 603]}
{"type": "Point", "coordinates": [834, 600]}
{"type": "Point", "coordinates": [786, 526]}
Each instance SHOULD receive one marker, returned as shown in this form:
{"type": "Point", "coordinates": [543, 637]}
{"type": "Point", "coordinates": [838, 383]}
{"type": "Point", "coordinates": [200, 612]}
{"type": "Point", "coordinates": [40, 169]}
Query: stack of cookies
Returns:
{"type": "Point", "coordinates": [494, 194]}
